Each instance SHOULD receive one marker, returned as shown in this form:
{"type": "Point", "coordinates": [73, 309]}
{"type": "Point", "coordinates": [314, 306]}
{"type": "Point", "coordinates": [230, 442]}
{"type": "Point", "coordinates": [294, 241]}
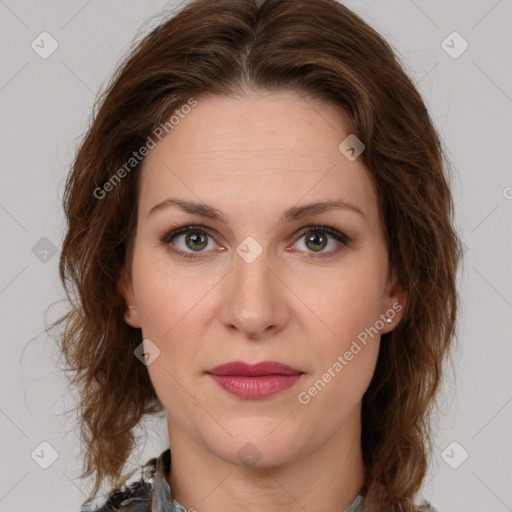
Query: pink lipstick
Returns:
{"type": "Point", "coordinates": [255, 381]}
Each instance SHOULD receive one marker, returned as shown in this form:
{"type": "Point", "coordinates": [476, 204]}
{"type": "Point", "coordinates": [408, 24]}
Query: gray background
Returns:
{"type": "Point", "coordinates": [45, 106]}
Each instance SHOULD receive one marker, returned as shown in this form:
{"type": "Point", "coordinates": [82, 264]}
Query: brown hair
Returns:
{"type": "Point", "coordinates": [321, 50]}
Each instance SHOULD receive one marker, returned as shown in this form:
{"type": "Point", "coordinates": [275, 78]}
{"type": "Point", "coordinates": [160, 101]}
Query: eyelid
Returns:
{"type": "Point", "coordinates": [173, 231]}
{"type": "Point", "coordinates": [335, 233]}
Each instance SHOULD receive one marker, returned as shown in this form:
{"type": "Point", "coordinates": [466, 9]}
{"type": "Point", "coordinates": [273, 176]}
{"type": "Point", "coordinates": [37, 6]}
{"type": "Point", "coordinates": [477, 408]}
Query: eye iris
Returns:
{"type": "Point", "coordinates": [316, 238]}
{"type": "Point", "coordinates": [199, 240]}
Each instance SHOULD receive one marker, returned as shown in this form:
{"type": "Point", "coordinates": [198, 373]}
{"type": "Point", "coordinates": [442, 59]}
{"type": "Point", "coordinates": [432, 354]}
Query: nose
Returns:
{"type": "Point", "coordinates": [254, 299]}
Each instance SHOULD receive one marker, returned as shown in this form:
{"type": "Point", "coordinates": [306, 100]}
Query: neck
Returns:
{"type": "Point", "coordinates": [327, 479]}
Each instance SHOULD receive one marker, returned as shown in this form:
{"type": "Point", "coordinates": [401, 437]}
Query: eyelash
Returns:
{"type": "Point", "coordinates": [174, 231]}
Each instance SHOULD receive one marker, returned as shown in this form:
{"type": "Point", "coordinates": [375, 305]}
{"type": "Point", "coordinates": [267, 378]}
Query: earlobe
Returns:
{"type": "Point", "coordinates": [131, 317]}
{"type": "Point", "coordinates": [125, 288]}
{"type": "Point", "coordinates": [396, 298]}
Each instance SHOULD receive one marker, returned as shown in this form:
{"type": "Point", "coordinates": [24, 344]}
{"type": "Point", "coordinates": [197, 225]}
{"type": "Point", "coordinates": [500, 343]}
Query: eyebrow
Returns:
{"type": "Point", "coordinates": [293, 213]}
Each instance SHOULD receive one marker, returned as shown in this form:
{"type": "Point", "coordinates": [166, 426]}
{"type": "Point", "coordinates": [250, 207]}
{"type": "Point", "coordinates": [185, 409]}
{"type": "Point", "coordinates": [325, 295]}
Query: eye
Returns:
{"type": "Point", "coordinates": [188, 239]}
{"type": "Point", "coordinates": [316, 239]}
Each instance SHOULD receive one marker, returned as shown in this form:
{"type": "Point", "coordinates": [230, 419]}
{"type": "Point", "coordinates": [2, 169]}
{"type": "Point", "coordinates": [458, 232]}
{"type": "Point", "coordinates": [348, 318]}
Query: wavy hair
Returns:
{"type": "Point", "coordinates": [321, 50]}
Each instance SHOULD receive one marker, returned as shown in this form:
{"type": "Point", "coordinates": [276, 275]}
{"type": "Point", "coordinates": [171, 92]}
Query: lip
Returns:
{"type": "Point", "coordinates": [241, 369]}
{"type": "Point", "coordinates": [255, 381]}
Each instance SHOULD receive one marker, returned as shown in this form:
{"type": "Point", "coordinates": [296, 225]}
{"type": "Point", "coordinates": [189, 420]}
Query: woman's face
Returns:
{"type": "Point", "coordinates": [254, 281]}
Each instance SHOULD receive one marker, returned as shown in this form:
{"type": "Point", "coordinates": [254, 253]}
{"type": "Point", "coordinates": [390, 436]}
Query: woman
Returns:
{"type": "Point", "coordinates": [260, 244]}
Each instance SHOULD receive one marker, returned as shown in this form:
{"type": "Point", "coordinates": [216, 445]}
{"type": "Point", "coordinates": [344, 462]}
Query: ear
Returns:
{"type": "Point", "coordinates": [125, 287]}
{"type": "Point", "coordinates": [394, 302]}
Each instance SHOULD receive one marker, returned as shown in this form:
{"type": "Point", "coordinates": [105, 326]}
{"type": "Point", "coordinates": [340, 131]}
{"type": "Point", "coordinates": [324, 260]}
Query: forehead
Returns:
{"type": "Point", "coordinates": [271, 149]}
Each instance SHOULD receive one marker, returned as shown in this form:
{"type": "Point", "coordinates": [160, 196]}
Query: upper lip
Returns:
{"type": "Point", "coordinates": [253, 370]}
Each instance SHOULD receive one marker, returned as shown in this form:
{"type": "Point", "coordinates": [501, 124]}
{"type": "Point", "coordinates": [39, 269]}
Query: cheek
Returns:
{"type": "Point", "coordinates": [165, 294]}
{"type": "Point", "coordinates": [168, 302]}
{"type": "Point", "coordinates": [173, 307]}
{"type": "Point", "coordinates": [348, 302]}
{"type": "Point", "coordinates": [346, 354]}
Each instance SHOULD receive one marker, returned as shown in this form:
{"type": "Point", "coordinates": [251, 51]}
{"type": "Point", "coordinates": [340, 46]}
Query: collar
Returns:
{"type": "Point", "coordinates": [161, 497]}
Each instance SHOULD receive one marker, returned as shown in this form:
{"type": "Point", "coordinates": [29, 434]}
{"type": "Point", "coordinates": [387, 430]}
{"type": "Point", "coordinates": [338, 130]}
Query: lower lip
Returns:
{"type": "Point", "coordinates": [256, 388]}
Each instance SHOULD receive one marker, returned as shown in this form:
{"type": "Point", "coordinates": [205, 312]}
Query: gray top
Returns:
{"type": "Point", "coordinates": [152, 493]}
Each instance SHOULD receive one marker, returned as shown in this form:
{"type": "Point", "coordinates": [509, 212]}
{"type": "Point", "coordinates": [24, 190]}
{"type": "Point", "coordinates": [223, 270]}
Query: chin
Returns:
{"type": "Point", "coordinates": [257, 443]}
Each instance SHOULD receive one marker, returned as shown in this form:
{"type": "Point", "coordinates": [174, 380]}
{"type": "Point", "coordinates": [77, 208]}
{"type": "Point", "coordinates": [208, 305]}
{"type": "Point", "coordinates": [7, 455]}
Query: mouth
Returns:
{"type": "Point", "coordinates": [255, 381]}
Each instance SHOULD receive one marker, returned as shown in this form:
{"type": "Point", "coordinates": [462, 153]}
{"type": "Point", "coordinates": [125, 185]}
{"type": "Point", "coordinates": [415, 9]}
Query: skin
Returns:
{"type": "Point", "coordinates": [253, 158]}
